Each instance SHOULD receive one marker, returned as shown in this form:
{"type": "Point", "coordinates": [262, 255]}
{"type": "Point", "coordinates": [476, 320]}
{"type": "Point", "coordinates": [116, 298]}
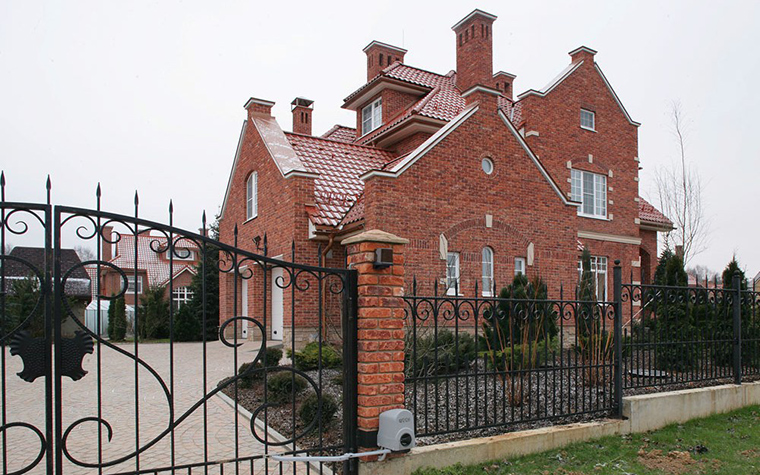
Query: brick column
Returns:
{"type": "Point", "coordinates": [381, 329]}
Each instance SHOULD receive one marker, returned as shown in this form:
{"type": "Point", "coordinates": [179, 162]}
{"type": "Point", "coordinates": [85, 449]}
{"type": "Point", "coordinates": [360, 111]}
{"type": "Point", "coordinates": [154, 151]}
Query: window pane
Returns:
{"type": "Point", "coordinates": [588, 193]}
{"type": "Point", "coordinates": [600, 191]}
{"type": "Point", "coordinates": [452, 270]}
{"type": "Point", "coordinates": [519, 265]}
{"type": "Point", "coordinates": [575, 186]}
{"type": "Point", "coordinates": [377, 115]}
{"type": "Point", "coordinates": [487, 270]}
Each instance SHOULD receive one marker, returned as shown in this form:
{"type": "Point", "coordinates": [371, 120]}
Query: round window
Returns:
{"type": "Point", "coordinates": [487, 165]}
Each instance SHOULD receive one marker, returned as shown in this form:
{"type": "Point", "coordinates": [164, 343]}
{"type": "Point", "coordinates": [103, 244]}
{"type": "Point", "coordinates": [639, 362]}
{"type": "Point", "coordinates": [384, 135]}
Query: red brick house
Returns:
{"type": "Point", "coordinates": [483, 183]}
{"type": "Point", "coordinates": [153, 268]}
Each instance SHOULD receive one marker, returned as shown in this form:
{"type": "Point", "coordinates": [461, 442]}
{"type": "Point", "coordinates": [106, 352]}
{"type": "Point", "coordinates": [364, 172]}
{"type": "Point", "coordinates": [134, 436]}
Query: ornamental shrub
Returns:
{"type": "Point", "coordinates": [310, 408]}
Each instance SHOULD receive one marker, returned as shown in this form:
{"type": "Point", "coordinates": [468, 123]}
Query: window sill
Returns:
{"type": "Point", "coordinates": [591, 216]}
{"type": "Point", "coordinates": [586, 128]}
{"type": "Point", "coordinates": [250, 219]}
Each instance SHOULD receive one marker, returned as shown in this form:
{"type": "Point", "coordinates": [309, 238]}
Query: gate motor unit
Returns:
{"type": "Point", "coordinates": [396, 431]}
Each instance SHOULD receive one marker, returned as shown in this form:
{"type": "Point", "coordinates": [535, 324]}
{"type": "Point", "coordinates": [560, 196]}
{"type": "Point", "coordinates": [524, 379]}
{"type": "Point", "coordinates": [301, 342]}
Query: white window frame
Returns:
{"type": "Point", "coordinates": [599, 270]}
{"type": "Point", "coordinates": [180, 254]}
{"type": "Point", "coordinates": [181, 295]}
{"type": "Point", "coordinates": [590, 116]}
{"type": "Point", "coordinates": [372, 116]}
{"type": "Point", "coordinates": [487, 271]}
{"type": "Point", "coordinates": [131, 284]}
{"type": "Point", "coordinates": [591, 190]}
{"type": "Point", "coordinates": [251, 196]}
{"type": "Point", "coordinates": [520, 265]}
{"type": "Point", "coordinates": [452, 273]}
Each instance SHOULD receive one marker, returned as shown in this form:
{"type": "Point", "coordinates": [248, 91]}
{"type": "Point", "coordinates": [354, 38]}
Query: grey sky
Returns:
{"type": "Point", "coordinates": [149, 95]}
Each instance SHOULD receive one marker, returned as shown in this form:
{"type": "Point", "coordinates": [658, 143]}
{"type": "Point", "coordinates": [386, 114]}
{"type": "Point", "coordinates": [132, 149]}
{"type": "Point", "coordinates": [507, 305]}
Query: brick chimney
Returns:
{"type": "Point", "coordinates": [380, 56]}
{"type": "Point", "coordinates": [503, 82]}
{"type": "Point", "coordinates": [106, 246]}
{"type": "Point", "coordinates": [474, 42]}
{"type": "Point", "coordinates": [258, 107]}
{"type": "Point", "coordinates": [581, 54]}
{"type": "Point", "coordinates": [302, 109]}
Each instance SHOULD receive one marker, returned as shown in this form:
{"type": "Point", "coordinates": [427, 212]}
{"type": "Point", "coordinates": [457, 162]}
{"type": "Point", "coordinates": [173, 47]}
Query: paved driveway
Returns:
{"type": "Point", "coordinates": [25, 402]}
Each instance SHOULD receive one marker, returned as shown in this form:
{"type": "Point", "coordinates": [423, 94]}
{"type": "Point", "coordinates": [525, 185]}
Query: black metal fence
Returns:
{"type": "Point", "coordinates": [483, 362]}
{"type": "Point", "coordinates": [683, 335]}
{"type": "Point", "coordinates": [77, 397]}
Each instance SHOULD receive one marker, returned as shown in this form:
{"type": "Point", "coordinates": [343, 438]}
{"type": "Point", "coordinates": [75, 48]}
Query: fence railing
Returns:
{"type": "Point", "coordinates": [484, 362]}
{"type": "Point", "coordinates": [479, 362]}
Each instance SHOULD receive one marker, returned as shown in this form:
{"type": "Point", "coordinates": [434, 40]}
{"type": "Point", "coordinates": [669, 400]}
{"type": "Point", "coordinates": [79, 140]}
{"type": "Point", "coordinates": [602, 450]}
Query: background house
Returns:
{"type": "Point", "coordinates": [483, 183]}
{"type": "Point", "coordinates": [146, 262]}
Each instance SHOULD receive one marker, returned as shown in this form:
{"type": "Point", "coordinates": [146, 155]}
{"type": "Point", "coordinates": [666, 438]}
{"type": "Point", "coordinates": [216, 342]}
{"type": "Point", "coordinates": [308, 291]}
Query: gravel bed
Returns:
{"type": "Point", "coordinates": [549, 396]}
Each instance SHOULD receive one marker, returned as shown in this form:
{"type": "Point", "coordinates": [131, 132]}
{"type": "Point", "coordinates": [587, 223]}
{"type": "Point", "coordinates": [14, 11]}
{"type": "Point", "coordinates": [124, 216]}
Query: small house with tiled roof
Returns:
{"type": "Point", "coordinates": [482, 182]}
{"type": "Point", "coordinates": [138, 262]}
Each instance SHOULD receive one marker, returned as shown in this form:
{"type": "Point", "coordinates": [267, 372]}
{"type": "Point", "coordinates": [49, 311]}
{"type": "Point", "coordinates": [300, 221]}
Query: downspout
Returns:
{"type": "Point", "coordinates": [323, 261]}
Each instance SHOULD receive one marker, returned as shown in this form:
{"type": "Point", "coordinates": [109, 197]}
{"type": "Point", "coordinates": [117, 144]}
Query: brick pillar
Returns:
{"type": "Point", "coordinates": [381, 329]}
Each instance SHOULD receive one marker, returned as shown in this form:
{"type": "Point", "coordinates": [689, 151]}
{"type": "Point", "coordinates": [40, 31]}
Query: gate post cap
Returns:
{"type": "Point", "coordinates": [374, 235]}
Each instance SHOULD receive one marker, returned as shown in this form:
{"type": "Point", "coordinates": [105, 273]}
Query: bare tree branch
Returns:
{"type": "Point", "coordinates": [679, 191]}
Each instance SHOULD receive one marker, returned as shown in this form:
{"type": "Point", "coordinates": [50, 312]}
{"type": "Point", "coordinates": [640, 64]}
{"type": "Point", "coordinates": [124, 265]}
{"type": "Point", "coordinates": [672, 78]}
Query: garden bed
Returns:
{"type": "Point", "coordinates": [282, 416]}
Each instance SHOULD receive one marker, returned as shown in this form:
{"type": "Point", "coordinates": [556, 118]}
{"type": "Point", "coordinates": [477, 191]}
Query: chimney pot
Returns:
{"type": "Point", "coordinates": [302, 109]}
{"type": "Point", "coordinates": [474, 46]}
{"type": "Point", "coordinates": [380, 56]}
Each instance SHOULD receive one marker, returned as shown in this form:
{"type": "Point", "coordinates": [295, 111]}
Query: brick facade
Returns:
{"type": "Point", "coordinates": [423, 178]}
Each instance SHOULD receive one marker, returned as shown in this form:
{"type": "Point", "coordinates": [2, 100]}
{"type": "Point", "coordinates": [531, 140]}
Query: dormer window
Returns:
{"type": "Point", "coordinates": [588, 120]}
{"type": "Point", "coordinates": [372, 116]}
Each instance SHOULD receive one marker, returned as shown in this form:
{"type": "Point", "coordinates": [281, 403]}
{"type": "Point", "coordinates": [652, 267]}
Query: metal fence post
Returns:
{"type": "Point", "coordinates": [617, 277]}
{"type": "Point", "coordinates": [737, 317]}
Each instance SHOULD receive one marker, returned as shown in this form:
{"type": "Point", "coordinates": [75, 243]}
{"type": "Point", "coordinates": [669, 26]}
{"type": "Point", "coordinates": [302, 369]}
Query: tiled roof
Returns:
{"type": "Point", "coordinates": [148, 260]}
{"type": "Point", "coordinates": [339, 166]}
{"type": "Point", "coordinates": [650, 214]}
{"type": "Point", "coordinates": [341, 133]}
{"type": "Point", "coordinates": [355, 213]}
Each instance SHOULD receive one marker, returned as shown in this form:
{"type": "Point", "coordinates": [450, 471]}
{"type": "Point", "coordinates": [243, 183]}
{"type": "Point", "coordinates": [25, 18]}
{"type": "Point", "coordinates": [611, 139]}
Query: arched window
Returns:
{"type": "Point", "coordinates": [488, 289]}
{"type": "Point", "coordinates": [252, 203]}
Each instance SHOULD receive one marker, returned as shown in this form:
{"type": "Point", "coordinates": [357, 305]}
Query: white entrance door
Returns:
{"type": "Point", "coordinates": [244, 291]}
{"type": "Point", "coordinates": [277, 304]}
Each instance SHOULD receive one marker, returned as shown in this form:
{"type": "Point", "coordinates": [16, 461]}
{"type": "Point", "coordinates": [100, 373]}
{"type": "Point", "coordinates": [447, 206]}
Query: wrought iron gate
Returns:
{"type": "Point", "coordinates": [75, 400]}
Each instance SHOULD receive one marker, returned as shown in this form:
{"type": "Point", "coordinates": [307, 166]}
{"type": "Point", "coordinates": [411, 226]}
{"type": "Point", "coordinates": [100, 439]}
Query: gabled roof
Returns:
{"type": "Point", "coordinates": [648, 214]}
{"type": "Point", "coordinates": [341, 133]}
{"type": "Point", "coordinates": [337, 166]}
{"type": "Point", "coordinates": [153, 263]}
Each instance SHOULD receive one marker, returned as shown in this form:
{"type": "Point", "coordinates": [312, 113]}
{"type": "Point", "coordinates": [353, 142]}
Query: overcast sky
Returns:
{"type": "Point", "coordinates": [149, 96]}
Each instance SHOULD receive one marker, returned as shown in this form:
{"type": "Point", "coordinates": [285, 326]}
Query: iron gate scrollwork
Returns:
{"type": "Point", "coordinates": [75, 400]}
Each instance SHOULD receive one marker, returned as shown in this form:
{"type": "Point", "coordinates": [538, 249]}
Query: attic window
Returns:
{"type": "Point", "coordinates": [372, 116]}
{"type": "Point", "coordinates": [588, 120]}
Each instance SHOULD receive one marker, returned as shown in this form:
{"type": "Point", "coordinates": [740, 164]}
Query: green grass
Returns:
{"type": "Point", "coordinates": [722, 444]}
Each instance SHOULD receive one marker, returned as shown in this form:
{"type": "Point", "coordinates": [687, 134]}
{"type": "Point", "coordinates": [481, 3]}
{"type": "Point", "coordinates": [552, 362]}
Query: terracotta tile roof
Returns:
{"type": "Point", "coordinates": [339, 166]}
{"type": "Point", "coordinates": [650, 214]}
{"type": "Point", "coordinates": [153, 263]}
{"type": "Point", "coordinates": [355, 213]}
{"type": "Point", "coordinates": [341, 133]}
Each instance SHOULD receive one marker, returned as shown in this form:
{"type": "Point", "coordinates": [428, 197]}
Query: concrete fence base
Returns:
{"type": "Point", "coordinates": [643, 413]}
